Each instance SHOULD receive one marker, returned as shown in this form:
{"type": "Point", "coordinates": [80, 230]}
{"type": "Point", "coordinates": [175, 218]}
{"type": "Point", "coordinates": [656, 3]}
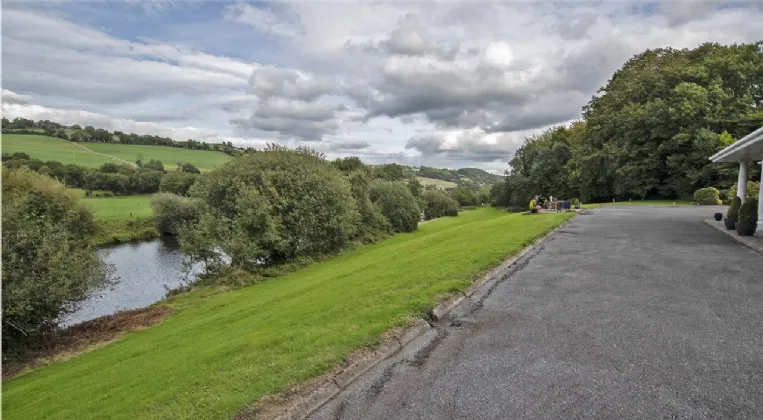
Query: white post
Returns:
{"type": "Point", "coordinates": [742, 181]}
{"type": "Point", "coordinates": [760, 200]}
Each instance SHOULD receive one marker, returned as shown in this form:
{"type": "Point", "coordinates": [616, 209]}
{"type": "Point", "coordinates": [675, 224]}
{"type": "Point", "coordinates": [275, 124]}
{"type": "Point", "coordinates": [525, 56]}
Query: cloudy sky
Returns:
{"type": "Point", "coordinates": [448, 83]}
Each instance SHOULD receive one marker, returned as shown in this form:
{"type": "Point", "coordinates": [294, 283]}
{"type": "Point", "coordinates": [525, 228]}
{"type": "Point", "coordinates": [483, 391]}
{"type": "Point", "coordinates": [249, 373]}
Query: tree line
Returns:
{"type": "Point", "coordinates": [148, 178]}
{"type": "Point", "coordinates": [649, 131]}
{"type": "Point", "coordinates": [77, 133]}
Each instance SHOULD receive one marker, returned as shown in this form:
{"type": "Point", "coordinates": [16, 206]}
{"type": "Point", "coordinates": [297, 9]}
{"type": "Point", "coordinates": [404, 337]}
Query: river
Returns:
{"type": "Point", "coordinates": [145, 272]}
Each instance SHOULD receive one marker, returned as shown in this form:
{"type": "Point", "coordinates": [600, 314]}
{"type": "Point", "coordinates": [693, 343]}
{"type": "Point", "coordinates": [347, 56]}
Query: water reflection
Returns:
{"type": "Point", "coordinates": [145, 272]}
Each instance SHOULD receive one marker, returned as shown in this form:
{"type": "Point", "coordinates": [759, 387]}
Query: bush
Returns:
{"type": "Point", "coordinates": [748, 212]}
{"type": "Point", "coordinates": [395, 201]}
{"type": "Point", "coordinates": [271, 207]}
{"type": "Point", "coordinates": [438, 204]}
{"type": "Point", "coordinates": [48, 267]}
{"type": "Point", "coordinates": [145, 181]}
{"type": "Point", "coordinates": [177, 182]}
{"type": "Point", "coordinates": [733, 211]}
{"type": "Point", "coordinates": [753, 190]}
{"type": "Point", "coordinates": [373, 225]}
{"type": "Point", "coordinates": [575, 202]}
{"type": "Point", "coordinates": [707, 196]}
{"type": "Point", "coordinates": [463, 196]}
{"type": "Point", "coordinates": [172, 212]}
{"type": "Point", "coordinates": [189, 168]}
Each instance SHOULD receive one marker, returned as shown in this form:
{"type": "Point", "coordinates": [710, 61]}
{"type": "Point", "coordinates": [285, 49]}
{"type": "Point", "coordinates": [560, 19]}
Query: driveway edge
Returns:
{"type": "Point", "coordinates": [304, 402]}
{"type": "Point", "coordinates": [730, 233]}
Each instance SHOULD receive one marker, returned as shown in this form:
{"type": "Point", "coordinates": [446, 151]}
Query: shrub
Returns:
{"type": "Point", "coordinates": [748, 212]}
{"type": "Point", "coordinates": [753, 190]}
{"type": "Point", "coordinates": [463, 196]}
{"type": "Point", "coordinates": [575, 202]}
{"type": "Point", "coordinates": [48, 267]}
{"type": "Point", "coordinates": [707, 196]}
{"type": "Point", "coordinates": [145, 181]}
{"type": "Point", "coordinates": [733, 211]}
{"type": "Point", "coordinates": [271, 207]}
{"type": "Point", "coordinates": [395, 201]}
{"type": "Point", "coordinates": [189, 168]}
{"type": "Point", "coordinates": [172, 212]}
{"type": "Point", "coordinates": [177, 182]}
{"type": "Point", "coordinates": [373, 225]}
{"type": "Point", "coordinates": [438, 204]}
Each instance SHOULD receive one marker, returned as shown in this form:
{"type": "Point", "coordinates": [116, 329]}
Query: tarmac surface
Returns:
{"type": "Point", "coordinates": [625, 313]}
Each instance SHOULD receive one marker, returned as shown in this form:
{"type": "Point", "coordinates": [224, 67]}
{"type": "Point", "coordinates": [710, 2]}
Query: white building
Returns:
{"type": "Point", "coordinates": [748, 149]}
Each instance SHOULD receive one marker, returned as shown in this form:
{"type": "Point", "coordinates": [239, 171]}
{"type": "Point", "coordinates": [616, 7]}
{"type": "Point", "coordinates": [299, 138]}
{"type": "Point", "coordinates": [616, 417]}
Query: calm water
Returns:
{"type": "Point", "coordinates": [145, 271]}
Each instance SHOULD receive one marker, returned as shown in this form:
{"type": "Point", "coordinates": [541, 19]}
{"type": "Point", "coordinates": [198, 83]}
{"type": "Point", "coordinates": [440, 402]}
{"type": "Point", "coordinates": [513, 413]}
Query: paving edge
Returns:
{"type": "Point", "coordinates": [731, 233]}
{"type": "Point", "coordinates": [327, 388]}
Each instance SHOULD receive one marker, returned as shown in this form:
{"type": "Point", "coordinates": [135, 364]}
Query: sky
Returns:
{"type": "Point", "coordinates": [438, 83]}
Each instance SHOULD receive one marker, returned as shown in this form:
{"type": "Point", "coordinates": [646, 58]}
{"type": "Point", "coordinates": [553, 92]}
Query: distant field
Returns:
{"type": "Point", "coordinates": [119, 208]}
{"type": "Point", "coordinates": [51, 148]}
{"type": "Point", "coordinates": [436, 182]}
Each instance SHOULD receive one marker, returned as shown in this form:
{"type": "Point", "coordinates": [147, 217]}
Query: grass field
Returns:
{"type": "Point", "coordinates": [119, 208]}
{"type": "Point", "coordinates": [436, 182]}
{"type": "Point", "coordinates": [51, 148]}
{"type": "Point", "coordinates": [220, 351]}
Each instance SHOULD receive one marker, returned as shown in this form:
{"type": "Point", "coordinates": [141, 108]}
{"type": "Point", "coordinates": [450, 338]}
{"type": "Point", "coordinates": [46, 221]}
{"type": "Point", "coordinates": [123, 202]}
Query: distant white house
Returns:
{"type": "Point", "coordinates": [748, 149]}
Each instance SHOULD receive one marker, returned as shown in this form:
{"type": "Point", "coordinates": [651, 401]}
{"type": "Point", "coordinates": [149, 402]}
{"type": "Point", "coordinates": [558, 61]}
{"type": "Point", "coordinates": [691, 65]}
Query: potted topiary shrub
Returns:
{"type": "Point", "coordinates": [533, 206]}
{"type": "Point", "coordinates": [732, 213]}
{"type": "Point", "coordinates": [747, 222]}
{"type": "Point", "coordinates": [576, 203]}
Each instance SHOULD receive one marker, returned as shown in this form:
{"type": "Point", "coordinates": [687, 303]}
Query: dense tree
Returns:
{"type": "Point", "coordinates": [177, 182]}
{"type": "Point", "coordinates": [650, 130]}
{"type": "Point", "coordinates": [463, 196]}
{"type": "Point", "coordinates": [438, 204]}
{"type": "Point", "coordinates": [48, 266]}
{"type": "Point", "coordinates": [395, 201]}
{"type": "Point", "coordinates": [172, 212]}
{"type": "Point", "coordinates": [271, 207]}
{"type": "Point", "coordinates": [349, 164]}
{"type": "Point", "coordinates": [188, 168]}
{"type": "Point", "coordinates": [389, 172]}
{"type": "Point", "coordinates": [154, 164]}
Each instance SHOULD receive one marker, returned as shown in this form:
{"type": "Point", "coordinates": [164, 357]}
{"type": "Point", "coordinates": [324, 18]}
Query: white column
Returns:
{"type": "Point", "coordinates": [742, 181]}
{"type": "Point", "coordinates": [760, 200]}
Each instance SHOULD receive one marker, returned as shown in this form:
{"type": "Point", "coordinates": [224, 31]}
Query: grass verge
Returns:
{"type": "Point", "coordinates": [221, 351]}
{"type": "Point", "coordinates": [122, 230]}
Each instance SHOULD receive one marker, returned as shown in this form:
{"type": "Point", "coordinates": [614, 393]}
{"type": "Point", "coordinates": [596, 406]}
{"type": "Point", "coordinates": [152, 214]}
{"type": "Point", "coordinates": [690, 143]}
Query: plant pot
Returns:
{"type": "Point", "coordinates": [746, 229]}
{"type": "Point", "coordinates": [729, 223]}
{"type": "Point", "coordinates": [718, 217]}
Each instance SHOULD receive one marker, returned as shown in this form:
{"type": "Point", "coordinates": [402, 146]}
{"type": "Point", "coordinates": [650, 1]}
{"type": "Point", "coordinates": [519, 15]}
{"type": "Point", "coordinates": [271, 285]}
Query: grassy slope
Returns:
{"type": "Point", "coordinates": [51, 148]}
{"type": "Point", "coordinates": [436, 182]}
{"type": "Point", "coordinates": [202, 159]}
{"type": "Point", "coordinates": [221, 351]}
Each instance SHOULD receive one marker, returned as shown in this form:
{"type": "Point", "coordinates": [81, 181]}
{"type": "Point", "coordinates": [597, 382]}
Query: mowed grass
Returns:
{"type": "Point", "coordinates": [436, 182]}
{"type": "Point", "coordinates": [119, 208]}
{"type": "Point", "coordinates": [220, 351]}
{"type": "Point", "coordinates": [51, 148]}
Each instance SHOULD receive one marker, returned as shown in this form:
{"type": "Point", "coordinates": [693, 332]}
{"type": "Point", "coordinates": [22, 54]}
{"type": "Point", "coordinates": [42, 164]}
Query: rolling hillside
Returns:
{"type": "Point", "coordinates": [93, 155]}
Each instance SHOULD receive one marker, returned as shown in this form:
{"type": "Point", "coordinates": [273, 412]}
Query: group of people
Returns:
{"type": "Point", "coordinates": [554, 204]}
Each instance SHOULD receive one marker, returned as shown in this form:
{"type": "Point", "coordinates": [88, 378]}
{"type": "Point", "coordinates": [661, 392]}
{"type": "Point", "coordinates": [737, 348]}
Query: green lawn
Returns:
{"type": "Point", "coordinates": [218, 352]}
{"type": "Point", "coordinates": [119, 208]}
{"type": "Point", "coordinates": [51, 148]}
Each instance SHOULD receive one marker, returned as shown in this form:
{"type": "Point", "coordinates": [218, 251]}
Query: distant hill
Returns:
{"type": "Point", "coordinates": [463, 176]}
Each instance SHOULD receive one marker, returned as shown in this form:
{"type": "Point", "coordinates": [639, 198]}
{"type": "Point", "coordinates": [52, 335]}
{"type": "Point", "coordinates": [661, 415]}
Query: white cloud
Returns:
{"type": "Point", "coordinates": [449, 83]}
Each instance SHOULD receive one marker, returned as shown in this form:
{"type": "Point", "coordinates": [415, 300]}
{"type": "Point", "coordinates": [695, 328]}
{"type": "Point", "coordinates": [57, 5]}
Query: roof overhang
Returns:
{"type": "Point", "coordinates": [746, 149]}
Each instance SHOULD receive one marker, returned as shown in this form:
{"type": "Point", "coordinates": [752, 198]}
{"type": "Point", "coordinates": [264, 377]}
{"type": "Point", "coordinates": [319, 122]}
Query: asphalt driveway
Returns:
{"type": "Point", "coordinates": [629, 312]}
